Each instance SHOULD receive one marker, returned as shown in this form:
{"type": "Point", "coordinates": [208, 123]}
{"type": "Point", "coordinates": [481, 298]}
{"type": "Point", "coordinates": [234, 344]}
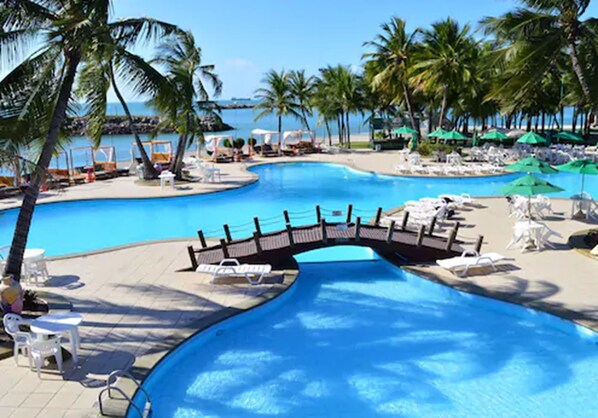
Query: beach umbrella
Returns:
{"type": "Point", "coordinates": [569, 136]}
{"type": "Point", "coordinates": [529, 186]}
{"type": "Point", "coordinates": [437, 133]}
{"type": "Point", "coordinates": [582, 167]}
{"type": "Point", "coordinates": [453, 135]}
{"type": "Point", "coordinates": [404, 130]}
{"type": "Point", "coordinates": [531, 165]}
{"type": "Point", "coordinates": [532, 138]}
{"type": "Point", "coordinates": [495, 136]}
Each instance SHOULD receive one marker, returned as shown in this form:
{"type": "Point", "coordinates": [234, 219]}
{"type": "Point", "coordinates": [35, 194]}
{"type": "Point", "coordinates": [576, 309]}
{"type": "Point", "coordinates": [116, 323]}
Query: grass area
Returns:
{"type": "Point", "coordinates": [360, 145]}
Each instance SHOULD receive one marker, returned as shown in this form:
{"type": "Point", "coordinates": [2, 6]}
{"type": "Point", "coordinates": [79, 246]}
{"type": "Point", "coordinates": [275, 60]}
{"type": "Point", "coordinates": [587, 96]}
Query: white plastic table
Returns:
{"type": "Point", "coordinates": [60, 324]}
{"type": "Point", "coordinates": [526, 233]}
{"type": "Point", "coordinates": [166, 176]}
{"type": "Point", "coordinates": [33, 254]}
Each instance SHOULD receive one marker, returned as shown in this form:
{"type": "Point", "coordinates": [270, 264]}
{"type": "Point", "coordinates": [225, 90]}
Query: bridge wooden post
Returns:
{"type": "Point", "coordinates": [202, 239]}
{"type": "Point", "coordinates": [349, 213]}
{"type": "Point", "coordinates": [224, 248]}
{"type": "Point", "coordinates": [229, 237]}
{"type": "Point", "coordinates": [452, 237]}
{"type": "Point", "coordinates": [378, 216]}
{"type": "Point", "coordinates": [390, 232]}
{"type": "Point", "coordinates": [432, 226]}
{"type": "Point", "coordinates": [191, 252]}
{"type": "Point", "coordinates": [287, 218]}
{"type": "Point", "coordinates": [258, 229]}
{"type": "Point", "coordinates": [478, 244]}
{"type": "Point", "coordinates": [420, 235]}
{"type": "Point", "coordinates": [290, 234]}
{"type": "Point", "coordinates": [358, 228]}
{"type": "Point", "coordinates": [258, 244]}
{"type": "Point", "coordinates": [318, 214]}
{"type": "Point", "coordinates": [405, 220]}
{"type": "Point", "coordinates": [323, 229]}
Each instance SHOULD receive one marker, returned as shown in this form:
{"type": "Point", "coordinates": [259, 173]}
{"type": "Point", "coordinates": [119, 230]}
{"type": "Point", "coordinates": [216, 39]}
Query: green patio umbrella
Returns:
{"type": "Point", "coordinates": [404, 130]}
{"type": "Point", "coordinates": [582, 167]}
{"type": "Point", "coordinates": [495, 136]}
{"type": "Point", "coordinates": [531, 165]}
{"type": "Point", "coordinates": [529, 186]}
{"type": "Point", "coordinates": [437, 133]}
{"type": "Point", "coordinates": [569, 136]}
{"type": "Point", "coordinates": [453, 135]}
{"type": "Point", "coordinates": [532, 138]}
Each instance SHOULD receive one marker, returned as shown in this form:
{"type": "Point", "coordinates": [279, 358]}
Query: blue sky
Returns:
{"type": "Point", "coordinates": [245, 38]}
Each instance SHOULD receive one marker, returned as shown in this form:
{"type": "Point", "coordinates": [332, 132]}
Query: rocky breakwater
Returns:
{"type": "Point", "coordinates": [119, 125]}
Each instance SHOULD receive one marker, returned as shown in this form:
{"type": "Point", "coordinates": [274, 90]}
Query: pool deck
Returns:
{"type": "Point", "coordinates": [136, 306]}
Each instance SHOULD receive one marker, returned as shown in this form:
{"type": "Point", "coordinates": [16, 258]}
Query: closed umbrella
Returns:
{"type": "Point", "coordinates": [529, 186]}
{"type": "Point", "coordinates": [476, 140]}
{"type": "Point", "coordinates": [531, 165]}
{"type": "Point", "coordinates": [532, 138]}
{"type": "Point", "coordinates": [413, 143]}
{"type": "Point", "coordinates": [569, 136]}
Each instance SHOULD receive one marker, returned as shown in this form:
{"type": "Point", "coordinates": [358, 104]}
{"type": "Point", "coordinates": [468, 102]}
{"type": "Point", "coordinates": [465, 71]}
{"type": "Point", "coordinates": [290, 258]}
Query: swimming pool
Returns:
{"type": "Point", "coordinates": [362, 339]}
{"type": "Point", "coordinates": [72, 227]}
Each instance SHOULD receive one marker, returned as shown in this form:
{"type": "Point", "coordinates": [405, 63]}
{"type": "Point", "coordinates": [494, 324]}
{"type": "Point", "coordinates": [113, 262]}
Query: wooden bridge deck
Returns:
{"type": "Point", "coordinates": [277, 245]}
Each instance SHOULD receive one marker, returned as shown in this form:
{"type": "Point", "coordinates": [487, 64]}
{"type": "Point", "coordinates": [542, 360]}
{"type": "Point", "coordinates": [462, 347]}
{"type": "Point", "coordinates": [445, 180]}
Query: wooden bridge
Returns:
{"type": "Point", "coordinates": [273, 247]}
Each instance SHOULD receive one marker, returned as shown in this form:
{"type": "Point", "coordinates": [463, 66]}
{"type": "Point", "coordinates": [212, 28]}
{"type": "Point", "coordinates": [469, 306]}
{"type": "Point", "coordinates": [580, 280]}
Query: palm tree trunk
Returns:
{"type": "Point", "coordinates": [149, 172]}
{"type": "Point", "coordinates": [340, 132]}
{"type": "Point", "coordinates": [348, 132]}
{"type": "Point", "coordinates": [443, 107]}
{"type": "Point", "coordinates": [574, 120]}
{"type": "Point", "coordinates": [583, 82]}
{"type": "Point", "coordinates": [21, 234]}
{"type": "Point", "coordinates": [543, 121]}
{"type": "Point", "coordinates": [177, 167]}
{"type": "Point", "coordinates": [409, 107]}
{"type": "Point", "coordinates": [304, 115]}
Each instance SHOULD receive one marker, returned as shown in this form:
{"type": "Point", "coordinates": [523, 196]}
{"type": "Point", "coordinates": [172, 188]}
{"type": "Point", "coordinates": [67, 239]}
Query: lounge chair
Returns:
{"type": "Point", "coordinates": [469, 259]}
{"type": "Point", "coordinates": [231, 267]}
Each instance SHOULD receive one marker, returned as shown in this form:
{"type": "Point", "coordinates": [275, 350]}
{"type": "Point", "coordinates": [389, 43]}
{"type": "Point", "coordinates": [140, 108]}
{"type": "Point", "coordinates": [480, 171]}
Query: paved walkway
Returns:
{"type": "Point", "coordinates": [132, 302]}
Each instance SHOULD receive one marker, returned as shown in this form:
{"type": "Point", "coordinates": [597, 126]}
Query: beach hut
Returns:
{"type": "Point", "coordinates": [159, 152]}
{"type": "Point", "coordinates": [264, 141]}
{"type": "Point", "coordinates": [299, 139]}
{"type": "Point", "coordinates": [98, 163]}
{"type": "Point", "coordinates": [220, 147]}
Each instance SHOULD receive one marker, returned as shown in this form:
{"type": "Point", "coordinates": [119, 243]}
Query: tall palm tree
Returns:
{"type": "Point", "coordinates": [302, 89]}
{"type": "Point", "coordinates": [445, 61]}
{"type": "Point", "coordinates": [187, 94]}
{"type": "Point", "coordinates": [68, 33]}
{"type": "Point", "coordinates": [392, 54]}
{"type": "Point", "coordinates": [548, 28]}
{"type": "Point", "coordinates": [276, 97]}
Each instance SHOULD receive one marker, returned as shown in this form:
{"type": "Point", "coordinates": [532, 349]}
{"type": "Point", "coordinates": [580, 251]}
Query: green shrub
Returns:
{"type": "Point", "coordinates": [239, 142]}
{"type": "Point", "coordinates": [252, 141]}
{"type": "Point", "coordinates": [426, 149]}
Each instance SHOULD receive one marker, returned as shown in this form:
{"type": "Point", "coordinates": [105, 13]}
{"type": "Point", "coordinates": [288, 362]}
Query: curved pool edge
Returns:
{"type": "Point", "coordinates": [144, 366]}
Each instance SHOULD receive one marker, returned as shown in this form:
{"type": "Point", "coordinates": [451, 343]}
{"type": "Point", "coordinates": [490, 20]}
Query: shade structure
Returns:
{"type": "Point", "coordinates": [532, 138]}
{"type": "Point", "coordinates": [531, 165]}
{"type": "Point", "coordinates": [453, 135]}
{"type": "Point", "coordinates": [404, 130]}
{"type": "Point", "coordinates": [437, 133]}
{"type": "Point", "coordinates": [582, 167]}
{"type": "Point", "coordinates": [529, 186]}
{"type": "Point", "coordinates": [495, 136]}
{"type": "Point", "coordinates": [569, 136]}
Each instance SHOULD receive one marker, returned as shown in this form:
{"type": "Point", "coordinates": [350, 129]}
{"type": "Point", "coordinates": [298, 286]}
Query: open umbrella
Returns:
{"type": "Point", "coordinates": [569, 136]}
{"type": "Point", "coordinates": [495, 136]}
{"type": "Point", "coordinates": [437, 133]}
{"type": "Point", "coordinates": [531, 165]}
{"type": "Point", "coordinates": [582, 167]}
{"type": "Point", "coordinates": [453, 135]}
{"type": "Point", "coordinates": [404, 130]}
{"type": "Point", "coordinates": [529, 186]}
{"type": "Point", "coordinates": [532, 138]}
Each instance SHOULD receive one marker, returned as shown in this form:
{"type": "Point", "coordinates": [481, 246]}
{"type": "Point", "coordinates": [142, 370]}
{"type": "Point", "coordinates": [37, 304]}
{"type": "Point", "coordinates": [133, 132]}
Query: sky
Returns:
{"type": "Point", "coordinates": [246, 38]}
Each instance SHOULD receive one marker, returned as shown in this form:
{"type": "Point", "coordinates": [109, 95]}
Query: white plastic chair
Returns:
{"type": "Point", "coordinates": [36, 272]}
{"type": "Point", "coordinates": [22, 340]}
{"type": "Point", "coordinates": [42, 349]}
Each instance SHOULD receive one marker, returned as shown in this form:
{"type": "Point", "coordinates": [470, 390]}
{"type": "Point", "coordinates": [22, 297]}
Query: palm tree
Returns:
{"type": "Point", "coordinates": [187, 93]}
{"type": "Point", "coordinates": [393, 52]}
{"type": "Point", "coordinates": [276, 97]}
{"type": "Point", "coordinates": [302, 89]}
{"type": "Point", "coordinates": [445, 61]}
{"type": "Point", "coordinates": [548, 28]}
{"type": "Point", "coordinates": [68, 33]}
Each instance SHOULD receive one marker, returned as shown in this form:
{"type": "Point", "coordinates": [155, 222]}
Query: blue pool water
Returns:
{"type": "Point", "coordinates": [363, 339]}
{"type": "Point", "coordinates": [71, 227]}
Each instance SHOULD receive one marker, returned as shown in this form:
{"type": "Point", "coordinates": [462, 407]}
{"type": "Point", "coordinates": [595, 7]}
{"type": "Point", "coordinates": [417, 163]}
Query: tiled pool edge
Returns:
{"type": "Point", "coordinates": [144, 365]}
{"type": "Point", "coordinates": [577, 319]}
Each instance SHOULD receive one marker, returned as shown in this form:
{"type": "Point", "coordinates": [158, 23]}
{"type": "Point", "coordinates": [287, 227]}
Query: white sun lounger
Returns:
{"type": "Point", "coordinates": [230, 267]}
{"type": "Point", "coordinates": [469, 259]}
